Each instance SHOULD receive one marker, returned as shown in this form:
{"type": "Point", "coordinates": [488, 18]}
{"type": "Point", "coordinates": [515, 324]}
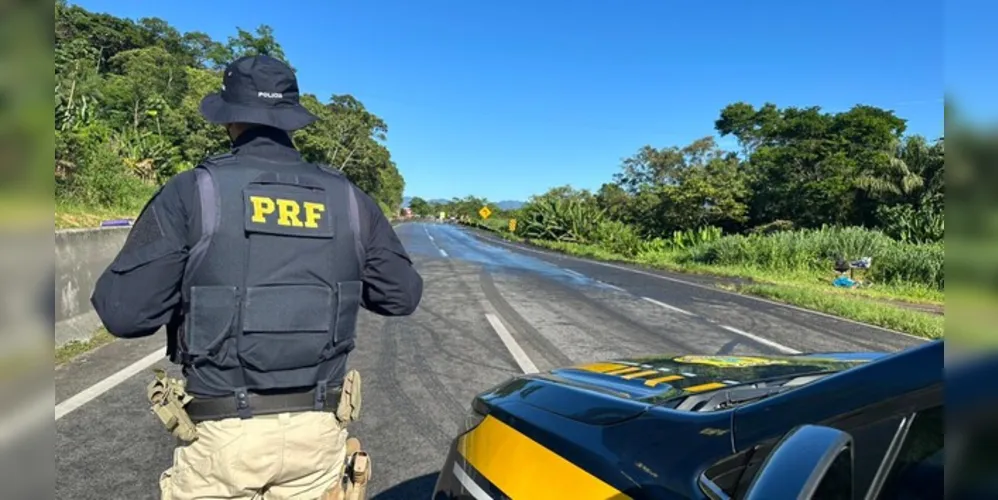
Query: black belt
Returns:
{"type": "Point", "coordinates": [202, 409]}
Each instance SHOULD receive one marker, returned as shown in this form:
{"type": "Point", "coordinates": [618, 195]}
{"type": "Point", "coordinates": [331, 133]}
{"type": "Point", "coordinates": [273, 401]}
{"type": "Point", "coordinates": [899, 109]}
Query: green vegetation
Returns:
{"type": "Point", "coordinates": [71, 350]}
{"type": "Point", "coordinates": [804, 188]}
{"type": "Point", "coordinates": [807, 188]}
{"type": "Point", "coordinates": [126, 115]}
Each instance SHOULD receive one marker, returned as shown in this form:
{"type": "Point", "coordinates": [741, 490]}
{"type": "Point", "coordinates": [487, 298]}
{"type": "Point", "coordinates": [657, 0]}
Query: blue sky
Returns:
{"type": "Point", "coordinates": [507, 99]}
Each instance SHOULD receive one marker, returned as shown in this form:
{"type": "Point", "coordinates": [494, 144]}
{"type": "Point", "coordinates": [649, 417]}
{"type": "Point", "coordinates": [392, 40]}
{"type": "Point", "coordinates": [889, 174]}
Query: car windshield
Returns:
{"type": "Point", "coordinates": [732, 395]}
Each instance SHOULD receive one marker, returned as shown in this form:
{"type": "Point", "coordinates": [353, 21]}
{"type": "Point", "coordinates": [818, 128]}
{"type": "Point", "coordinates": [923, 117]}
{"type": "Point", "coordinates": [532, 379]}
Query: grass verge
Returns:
{"type": "Point", "coordinates": [909, 309]}
{"type": "Point", "coordinates": [71, 350]}
{"type": "Point", "coordinates": [921, 324]}
{"type": "Point", "coordinates": [69, 215]}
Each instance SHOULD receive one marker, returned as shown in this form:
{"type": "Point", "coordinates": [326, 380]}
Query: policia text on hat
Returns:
{"type": "Point", "coordinates": [257, 262]}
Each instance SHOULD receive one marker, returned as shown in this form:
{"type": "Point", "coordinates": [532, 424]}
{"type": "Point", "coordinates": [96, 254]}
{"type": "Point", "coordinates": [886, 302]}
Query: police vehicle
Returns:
{"type": "Point", "coordinates": [819, 425]}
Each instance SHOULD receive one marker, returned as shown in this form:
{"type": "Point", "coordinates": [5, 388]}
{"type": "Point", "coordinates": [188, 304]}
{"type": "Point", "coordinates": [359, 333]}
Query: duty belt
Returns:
{"type": "Point", "coordinates": [202, 409]}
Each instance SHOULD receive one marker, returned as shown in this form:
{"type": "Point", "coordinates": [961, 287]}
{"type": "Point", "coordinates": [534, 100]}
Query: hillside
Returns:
{"type": "Point", "coordinates": [122, 129]}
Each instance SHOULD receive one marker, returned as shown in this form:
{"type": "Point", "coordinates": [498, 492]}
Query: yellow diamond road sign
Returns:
{"type": "Point", "coordinates": [485, 212]}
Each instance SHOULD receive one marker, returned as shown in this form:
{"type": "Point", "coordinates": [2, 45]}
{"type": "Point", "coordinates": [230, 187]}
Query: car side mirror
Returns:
{"type": "Point", "coordinates": [810, 462]}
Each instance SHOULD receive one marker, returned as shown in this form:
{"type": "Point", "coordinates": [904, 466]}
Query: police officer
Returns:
{"type": "Point", "coordinates": [257, 263]}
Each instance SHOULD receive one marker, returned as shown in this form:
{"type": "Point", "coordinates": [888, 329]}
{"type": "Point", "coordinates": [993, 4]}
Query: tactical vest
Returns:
{"type": "Point", "coordinates": [272, 287]}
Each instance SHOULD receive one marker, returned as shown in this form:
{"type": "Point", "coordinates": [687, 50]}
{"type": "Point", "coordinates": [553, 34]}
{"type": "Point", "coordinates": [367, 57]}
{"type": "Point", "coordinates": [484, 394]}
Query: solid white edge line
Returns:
{"type": "Point", "coordinates": [521, 358]}
{"type": "Point", "coordinates": [667, 306]}
{"type": "Point", "coordinates": [469, 484]}
{"type": "Point", "coordinates": [93, 392]}
{"type": "Point", "coordinates": [770, 343]}
{"type": "Point", "coordinates": [713, 289]}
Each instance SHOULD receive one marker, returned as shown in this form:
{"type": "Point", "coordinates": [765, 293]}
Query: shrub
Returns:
{"type": "Point", "coordinates": [773, 227]}
{"type": "Point", "coordinates": [817, 250]}
{"type": "Point", "coordinates": [561, 219]}
{"type": "Point", "coordinates": [618, 238]}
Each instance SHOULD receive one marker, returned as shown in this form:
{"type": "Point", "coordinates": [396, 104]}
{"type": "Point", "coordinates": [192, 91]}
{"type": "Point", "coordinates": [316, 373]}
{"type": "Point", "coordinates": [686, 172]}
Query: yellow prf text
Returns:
{"type": "Point", "coordinates": [288, 211]}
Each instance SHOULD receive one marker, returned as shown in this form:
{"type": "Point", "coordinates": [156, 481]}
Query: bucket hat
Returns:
{"type": "Point", "coordinates": [258, 89]}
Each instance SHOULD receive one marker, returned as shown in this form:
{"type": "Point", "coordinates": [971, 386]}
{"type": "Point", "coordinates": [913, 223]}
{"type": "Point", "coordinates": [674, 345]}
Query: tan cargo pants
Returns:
{"type": "Point", "coordinates": [287, 455]}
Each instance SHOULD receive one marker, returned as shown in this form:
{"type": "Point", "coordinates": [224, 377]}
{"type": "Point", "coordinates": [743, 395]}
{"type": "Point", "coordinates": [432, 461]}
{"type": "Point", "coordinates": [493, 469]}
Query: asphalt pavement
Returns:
{"type": "Point", "coordinates": [490, 310]}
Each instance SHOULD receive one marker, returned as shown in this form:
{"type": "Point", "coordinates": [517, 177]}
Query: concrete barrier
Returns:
{"type": "Point", "coordinates": [81, 255]}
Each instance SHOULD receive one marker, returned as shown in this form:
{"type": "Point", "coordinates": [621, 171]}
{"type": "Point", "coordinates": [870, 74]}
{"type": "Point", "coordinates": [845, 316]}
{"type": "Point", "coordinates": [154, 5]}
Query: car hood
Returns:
{"type": "Point", "coordinates": [664, 377]}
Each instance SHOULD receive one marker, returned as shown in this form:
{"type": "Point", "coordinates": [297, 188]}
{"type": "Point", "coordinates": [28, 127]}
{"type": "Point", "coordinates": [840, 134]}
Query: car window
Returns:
{"type": "Point", "coordinates": [872, 429]}
{"type": "Point", "coordinates": [871, 442]}
{"type": "Point", "coordinates": [917, 473]}
{"type": "Point", "coordinates": [837, 484]}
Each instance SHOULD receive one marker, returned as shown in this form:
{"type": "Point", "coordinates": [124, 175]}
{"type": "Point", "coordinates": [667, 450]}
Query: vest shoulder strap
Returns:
{"type": "Point", "coordinates": [354, 214]}
{"type": "Point", "coordinates": [211, 212]}
{"type": "Point", "coordinates": [354, 210]}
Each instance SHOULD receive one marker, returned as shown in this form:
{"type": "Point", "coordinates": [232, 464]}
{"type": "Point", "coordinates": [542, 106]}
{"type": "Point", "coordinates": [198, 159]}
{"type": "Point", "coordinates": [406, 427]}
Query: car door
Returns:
{"type": "Point", "coordinates": [913, 467]}
{"type": "Point", "coordinates": [880, 434]}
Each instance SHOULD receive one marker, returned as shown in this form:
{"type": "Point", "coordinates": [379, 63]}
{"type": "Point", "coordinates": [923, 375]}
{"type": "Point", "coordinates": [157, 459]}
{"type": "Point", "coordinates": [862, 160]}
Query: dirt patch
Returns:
{"type": "Point", "coordinates": [926, 308]}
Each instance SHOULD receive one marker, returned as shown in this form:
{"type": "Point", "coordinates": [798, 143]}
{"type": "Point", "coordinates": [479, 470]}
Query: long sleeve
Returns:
{"type": "Point", "coordinates": [140, 290]}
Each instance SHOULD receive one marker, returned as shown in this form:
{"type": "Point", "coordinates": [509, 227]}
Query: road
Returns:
{"type": "Point", "coordinates": [484, 300]}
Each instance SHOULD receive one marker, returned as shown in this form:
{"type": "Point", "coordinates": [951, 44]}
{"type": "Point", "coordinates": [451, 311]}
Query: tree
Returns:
{"type": "Point", "coordinates": [127, 116]}
{"type": "Point", "coordinates": [805, 166]}
{"type": "Point", "coordinates": [248, 44]}
{"type": "Point", "coordinates": [798, 166]}
{"type": "Point", "coordinates": [419, 206]}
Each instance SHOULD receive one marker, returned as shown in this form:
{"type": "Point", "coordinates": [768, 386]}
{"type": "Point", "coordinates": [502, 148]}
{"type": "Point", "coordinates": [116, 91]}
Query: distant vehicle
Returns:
{"type": "Point", "coordinates": [714, 427]}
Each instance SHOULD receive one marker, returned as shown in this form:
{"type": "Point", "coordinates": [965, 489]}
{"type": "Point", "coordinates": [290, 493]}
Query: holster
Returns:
{"type": "Point", "coordinates": [348, 409]}
{"type": "Point", "coordinates": [356, 475]}
{"type": "Point", "coordinates": [167, 398]}
{"type": "Point", "coordinates": [357, 467]}
{"type": "Point", "coordinates": [358, 471]}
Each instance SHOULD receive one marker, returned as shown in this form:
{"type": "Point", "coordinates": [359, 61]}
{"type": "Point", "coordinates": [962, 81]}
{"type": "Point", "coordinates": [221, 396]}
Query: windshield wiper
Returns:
{"type": "Point", "coordinates": [743, 396]}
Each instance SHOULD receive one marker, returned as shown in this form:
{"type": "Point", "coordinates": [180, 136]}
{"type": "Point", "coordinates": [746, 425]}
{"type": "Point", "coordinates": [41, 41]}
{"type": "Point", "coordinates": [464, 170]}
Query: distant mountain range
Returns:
{"type": "Point", "coordinates": [509, 204]}
{"type": "Point", "coordinates": [503, 205]}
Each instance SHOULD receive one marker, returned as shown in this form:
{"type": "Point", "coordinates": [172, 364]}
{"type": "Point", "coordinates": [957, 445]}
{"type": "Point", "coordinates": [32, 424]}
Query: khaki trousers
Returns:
{"type": "Point", "coordinates": [286, 455]}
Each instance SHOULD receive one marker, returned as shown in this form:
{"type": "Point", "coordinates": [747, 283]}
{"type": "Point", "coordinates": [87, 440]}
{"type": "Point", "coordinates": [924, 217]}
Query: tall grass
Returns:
{"type": "Point", "coordinates": [806, 251]}
{"type": "Point", "coordinates": [894, 262]}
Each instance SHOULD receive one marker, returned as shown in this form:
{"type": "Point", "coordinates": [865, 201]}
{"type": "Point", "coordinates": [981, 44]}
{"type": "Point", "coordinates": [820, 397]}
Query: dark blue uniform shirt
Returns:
{"type": "Point", "coordinates": [140, 300]}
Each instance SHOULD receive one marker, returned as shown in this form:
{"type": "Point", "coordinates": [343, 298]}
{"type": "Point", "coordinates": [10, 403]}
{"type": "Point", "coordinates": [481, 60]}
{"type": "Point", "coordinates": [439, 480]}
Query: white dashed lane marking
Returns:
{"type": "Point", "coordinates": [521, 358]}
{"type": "Point", "coordinates": [770, 343]}
{"type": "Point", "coordinates": [667, 306]}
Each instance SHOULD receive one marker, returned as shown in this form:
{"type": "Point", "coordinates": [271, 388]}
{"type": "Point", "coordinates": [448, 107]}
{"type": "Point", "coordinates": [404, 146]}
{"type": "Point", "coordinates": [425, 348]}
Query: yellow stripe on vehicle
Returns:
{"type": "Point", "coordinates": [524, 469]}
{"type": "Point", "coordinates": [705, 387]}
{"type": "Point", "coordinates": [601, 367]}
{"type": "Point", "coordinates": [652, 382]}
{"type": "Point", "coordinates": [640, 374]}
{"type": "Point", "coordinates": [622, 371]}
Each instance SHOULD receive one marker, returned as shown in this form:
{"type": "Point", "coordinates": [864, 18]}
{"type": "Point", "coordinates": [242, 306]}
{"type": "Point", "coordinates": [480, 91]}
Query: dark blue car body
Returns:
{"type": "Point", "coordinates": [658, 428]}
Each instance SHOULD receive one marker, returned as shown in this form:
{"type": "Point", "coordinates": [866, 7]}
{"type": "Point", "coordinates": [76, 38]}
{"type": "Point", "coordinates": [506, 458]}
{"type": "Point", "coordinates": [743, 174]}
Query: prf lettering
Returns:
{"type": "Point", "coordinates": [288, 211]}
